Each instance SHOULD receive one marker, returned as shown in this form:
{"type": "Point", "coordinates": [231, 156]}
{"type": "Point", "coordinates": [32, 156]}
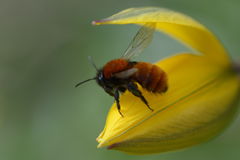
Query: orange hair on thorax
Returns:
{"type": "Point", "coordinates": [115, 66]}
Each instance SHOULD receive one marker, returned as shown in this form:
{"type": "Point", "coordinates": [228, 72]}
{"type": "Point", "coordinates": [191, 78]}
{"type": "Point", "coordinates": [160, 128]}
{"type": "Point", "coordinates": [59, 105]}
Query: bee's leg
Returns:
{"type": "Point", "coordinates": [116, 96]}
{"type": "Point", "coordinates": [122, 89]}
{"type": "Point", "coordinates": [134, 90]}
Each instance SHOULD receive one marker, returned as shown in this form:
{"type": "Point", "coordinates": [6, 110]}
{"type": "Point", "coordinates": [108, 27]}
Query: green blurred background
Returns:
{"type": "Point", "coordinates": [43, 54]}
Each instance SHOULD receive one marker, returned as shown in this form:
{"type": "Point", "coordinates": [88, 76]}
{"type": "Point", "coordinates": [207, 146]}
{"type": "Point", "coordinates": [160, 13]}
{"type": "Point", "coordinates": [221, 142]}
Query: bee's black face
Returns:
{"type": "Point", "coordinates": [110, 85]}
{"type": "Point", "coordinates": [104, 83]}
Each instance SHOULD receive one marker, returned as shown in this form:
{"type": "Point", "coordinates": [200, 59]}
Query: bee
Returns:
{"type": "Point", "coordinates": [122, 74]}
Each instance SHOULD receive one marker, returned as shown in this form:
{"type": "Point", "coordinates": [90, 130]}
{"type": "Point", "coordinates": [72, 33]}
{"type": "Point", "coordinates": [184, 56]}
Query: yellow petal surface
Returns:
{"type": "Point", "coordinates": [201, 99]}
{"type": "Point", "coordinates": [178, 25]}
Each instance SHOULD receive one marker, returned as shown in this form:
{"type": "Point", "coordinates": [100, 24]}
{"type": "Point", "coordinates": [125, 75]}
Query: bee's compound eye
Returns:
{"type": "Point", "coordinates": [100, 77]}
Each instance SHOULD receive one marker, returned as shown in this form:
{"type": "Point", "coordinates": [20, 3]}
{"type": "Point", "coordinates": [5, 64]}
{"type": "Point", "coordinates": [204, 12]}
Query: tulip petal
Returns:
{"type": "Point", "coordinates": [196, 107]}
{"type": "Point", "coordinates": [201, 99]}
{"type": "Point", "coordinates": [180, 26]}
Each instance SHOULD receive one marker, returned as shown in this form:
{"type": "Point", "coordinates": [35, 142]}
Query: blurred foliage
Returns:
{"type": "Point", "coordinates": [43, 54]}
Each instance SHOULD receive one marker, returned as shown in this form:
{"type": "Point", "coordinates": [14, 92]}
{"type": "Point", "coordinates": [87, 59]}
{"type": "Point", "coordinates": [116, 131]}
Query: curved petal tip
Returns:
{"type": "Point", "coordinates": [98, 22]}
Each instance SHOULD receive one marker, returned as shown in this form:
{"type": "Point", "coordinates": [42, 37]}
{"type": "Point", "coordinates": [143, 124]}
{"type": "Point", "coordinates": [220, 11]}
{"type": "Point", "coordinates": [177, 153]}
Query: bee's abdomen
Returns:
{"type": "Point", "coordinates": [151, 77]}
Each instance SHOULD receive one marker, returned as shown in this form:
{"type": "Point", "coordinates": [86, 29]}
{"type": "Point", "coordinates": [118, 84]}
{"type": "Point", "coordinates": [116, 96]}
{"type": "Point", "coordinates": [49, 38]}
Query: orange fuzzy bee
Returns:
{"type": "Point", "coordinates": [121, 74]}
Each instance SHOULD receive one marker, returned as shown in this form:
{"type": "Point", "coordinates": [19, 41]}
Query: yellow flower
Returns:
{"type": "Point", "coordinates": [202, 98]}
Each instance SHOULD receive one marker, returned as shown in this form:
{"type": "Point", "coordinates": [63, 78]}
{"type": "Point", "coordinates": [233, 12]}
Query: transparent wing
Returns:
{"type": "Point", "coordinates": [141, 40]}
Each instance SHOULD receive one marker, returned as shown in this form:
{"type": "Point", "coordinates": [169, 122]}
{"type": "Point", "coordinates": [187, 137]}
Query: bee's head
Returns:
{"type": "Point", "coordinates": [105, 83]}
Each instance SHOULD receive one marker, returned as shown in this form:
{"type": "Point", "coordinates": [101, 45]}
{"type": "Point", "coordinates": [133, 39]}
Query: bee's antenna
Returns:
{"type": "Point", "coordinates": [94, 65]}
{"type": "Point", "coordinates": [84, 81]}
{"type": "Point", "coordinates": [92, 62]}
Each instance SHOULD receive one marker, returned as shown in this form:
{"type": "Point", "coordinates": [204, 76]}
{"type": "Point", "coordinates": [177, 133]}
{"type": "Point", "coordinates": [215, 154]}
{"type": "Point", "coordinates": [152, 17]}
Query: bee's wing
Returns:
{"type": "Point", "coordinates": [126, 73]}
{"type": "Point", "coordinates": [141, 40]}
